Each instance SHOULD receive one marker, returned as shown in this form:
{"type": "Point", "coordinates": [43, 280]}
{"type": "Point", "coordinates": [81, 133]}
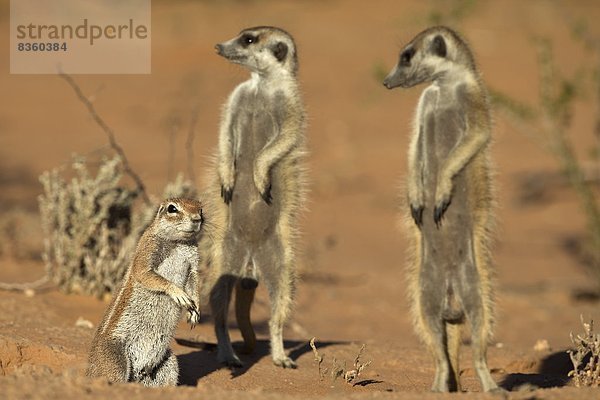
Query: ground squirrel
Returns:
{"type": "Point", "coordinates": [132, 341]}
{"type": "Point", "coordinates": [260, 176]}
{"type": "Point", "coordinates": [450, 200]}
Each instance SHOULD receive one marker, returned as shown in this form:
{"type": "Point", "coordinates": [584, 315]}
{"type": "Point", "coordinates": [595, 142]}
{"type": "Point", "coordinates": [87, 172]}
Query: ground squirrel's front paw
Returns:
{"type": "Point", "coordinates": [193, 317]}
{"type": "Point", "coordinates": [183, 299]}
{"type": "Point", "coordinates": [285, 362]}
{"type": "Point", "coordinates": [226, 193]}
{"type": "Point", "coordinates": [417, 214]}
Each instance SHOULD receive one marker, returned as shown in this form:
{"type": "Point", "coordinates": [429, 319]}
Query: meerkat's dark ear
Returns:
{"type": "Point", "coordinates": [438, 46]}
{"type": "Point", "coordinates": [280, 51]}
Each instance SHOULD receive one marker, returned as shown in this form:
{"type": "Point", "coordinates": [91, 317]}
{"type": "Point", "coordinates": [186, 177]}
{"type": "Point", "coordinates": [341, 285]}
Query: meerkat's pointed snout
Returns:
{"type": "Point", "coordinates": [219, 49]}
{"type": "Point", "coordinates": [394, 79]}
{"type": "Point", "coordinates": [386, 83]}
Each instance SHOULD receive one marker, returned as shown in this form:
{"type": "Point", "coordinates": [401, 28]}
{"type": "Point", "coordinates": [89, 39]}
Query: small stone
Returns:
{"type": "Point", "coordinates": [541, 345]}
{"type": "Point", "coordinates": [84, 323]}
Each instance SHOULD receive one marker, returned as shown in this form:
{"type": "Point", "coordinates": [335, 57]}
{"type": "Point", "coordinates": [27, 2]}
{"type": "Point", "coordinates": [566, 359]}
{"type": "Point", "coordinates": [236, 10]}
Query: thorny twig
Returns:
{"type": "Point", "coordinates": [318, 358]}
{"type": "Point", "coordinates": [24, 287]}
{"type": "Point", "coordinates": [109, 133]}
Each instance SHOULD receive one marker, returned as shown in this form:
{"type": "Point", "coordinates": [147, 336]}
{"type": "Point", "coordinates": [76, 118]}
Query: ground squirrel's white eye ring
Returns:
{"type": "Point", "coordinates": [172, 209]}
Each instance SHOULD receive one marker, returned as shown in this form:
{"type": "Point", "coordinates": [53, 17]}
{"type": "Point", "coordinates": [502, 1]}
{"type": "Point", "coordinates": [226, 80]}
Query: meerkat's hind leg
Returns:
{"type": "Point", "coordinates": [479, 349]}
{"type": "Point", "coordinates": [220, 297]}
{"type": "Point", "coordinates": [443, 380]}
{"type": "Point", "coordinates": [453, 339]}
{"type": "Point", "coordinates": [244, 295]}
{"type": "Point", "coordinates": [433, 326]}
{"type": "Point", "coordinates": [475, 313]}
{"type": "Point", "coordinates": [279, 279]}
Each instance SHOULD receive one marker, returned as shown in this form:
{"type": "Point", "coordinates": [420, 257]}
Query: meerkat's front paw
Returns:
{"type": "Point", "coordinates": [266, 195]}
{"type": "Point", "coordinates": [415, 199]}
{"type": "Point", "coordinates": [417, 214]}
{"type": "Point", "coordinates": [443, 198]}
{"type": "Point", "coordinates": [261, 181]}
{"type": "Point", "coordinates": [227, 176]}
{"type": "Point", "coordinates": [285, 362]}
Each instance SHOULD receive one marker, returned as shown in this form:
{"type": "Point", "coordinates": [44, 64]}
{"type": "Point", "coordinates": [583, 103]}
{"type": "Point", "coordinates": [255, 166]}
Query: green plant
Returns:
{"type": "Point", "coordinates": [550, 121]}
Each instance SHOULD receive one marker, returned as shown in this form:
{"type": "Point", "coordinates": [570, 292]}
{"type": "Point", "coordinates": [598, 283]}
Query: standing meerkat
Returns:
{"type": "Point", "coordinates": [451, 202]}
{"type": "Point", "coordinates": [260, 174]}
{"type": "Point", "coordinates": [132, 341]}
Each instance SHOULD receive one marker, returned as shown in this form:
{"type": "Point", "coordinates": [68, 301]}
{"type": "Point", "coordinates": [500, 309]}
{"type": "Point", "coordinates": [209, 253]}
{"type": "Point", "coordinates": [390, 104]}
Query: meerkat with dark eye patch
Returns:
{"type": "Point", "coordinates": [451, 202]}
{"type": "Point", "coordinates": [260, 171]}
{"type": "Point", "coordinates": [132, 341]}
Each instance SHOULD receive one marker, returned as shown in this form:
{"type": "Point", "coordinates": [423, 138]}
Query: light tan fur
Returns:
{"type": "Point", "coordinates": [132, 341]}
{"type": "Point", "coordinates": [450, 203]}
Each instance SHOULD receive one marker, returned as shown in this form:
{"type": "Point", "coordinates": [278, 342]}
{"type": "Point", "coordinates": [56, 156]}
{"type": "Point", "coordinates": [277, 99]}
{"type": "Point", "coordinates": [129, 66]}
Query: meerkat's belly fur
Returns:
{"type": "Point", "coordinates": [258, 120]}
{"type": "Point", "coordinates": [448, 251]}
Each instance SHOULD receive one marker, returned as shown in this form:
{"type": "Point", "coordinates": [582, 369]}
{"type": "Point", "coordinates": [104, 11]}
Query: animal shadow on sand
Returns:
{"type": "Point", "coordinates": [553, 372]}
{"type": "Point", "coordinates": [201, 363]}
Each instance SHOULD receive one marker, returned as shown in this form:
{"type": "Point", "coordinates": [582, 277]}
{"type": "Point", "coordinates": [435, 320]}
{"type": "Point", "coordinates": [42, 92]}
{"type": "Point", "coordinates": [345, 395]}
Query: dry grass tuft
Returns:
{"type": "Point", "coordinates": [339, 370]}
{"type": "Point", "coordinates": [586, 357]}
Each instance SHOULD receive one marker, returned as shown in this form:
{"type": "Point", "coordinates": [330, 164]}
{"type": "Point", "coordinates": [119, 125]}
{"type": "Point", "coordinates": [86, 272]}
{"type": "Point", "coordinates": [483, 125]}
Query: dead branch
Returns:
{"type": "Point", "coordinates": [109, 133]}
{"type": "Point", "coordinates": [24, 287]}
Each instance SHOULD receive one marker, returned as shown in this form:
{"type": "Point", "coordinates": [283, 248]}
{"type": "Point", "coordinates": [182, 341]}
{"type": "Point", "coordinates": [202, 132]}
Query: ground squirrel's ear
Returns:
{"type": "Point", "coordinates": [438, 46]}
{"type": "Point", "coordinates": [280, 51]}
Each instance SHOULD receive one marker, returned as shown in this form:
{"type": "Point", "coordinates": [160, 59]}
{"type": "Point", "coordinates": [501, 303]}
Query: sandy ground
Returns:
{"type": "Point", "coordinates": [352, 290]}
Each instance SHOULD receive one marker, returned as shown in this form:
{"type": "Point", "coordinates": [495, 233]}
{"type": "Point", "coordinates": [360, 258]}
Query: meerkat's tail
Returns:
{"type": "Point", "coordinates": [244, 295]}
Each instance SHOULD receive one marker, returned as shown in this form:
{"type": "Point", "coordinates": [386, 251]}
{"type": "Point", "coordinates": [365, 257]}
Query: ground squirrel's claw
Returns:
{"type": "Point", "coordinates": [267, 195]}
{"type": "Point", "coordinates": [226, 194]}
{"type": "Point", "coordinates": [417, 214]}
{"type": "Point", "coordinates": [439, 211]}
{"type": "Point", "coordinates": [193, 318]}
{"type": "Point", "coordinates": [183, 300]}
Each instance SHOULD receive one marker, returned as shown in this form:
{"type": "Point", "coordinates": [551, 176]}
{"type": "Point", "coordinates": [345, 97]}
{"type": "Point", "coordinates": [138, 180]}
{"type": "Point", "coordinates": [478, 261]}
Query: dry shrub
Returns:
{"type": "Point", "coordinates": [91, 226]}
{"type": "Point", "coordinates": [586, 357]}
{"type": "Point", "coordinates": [87, 222]}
